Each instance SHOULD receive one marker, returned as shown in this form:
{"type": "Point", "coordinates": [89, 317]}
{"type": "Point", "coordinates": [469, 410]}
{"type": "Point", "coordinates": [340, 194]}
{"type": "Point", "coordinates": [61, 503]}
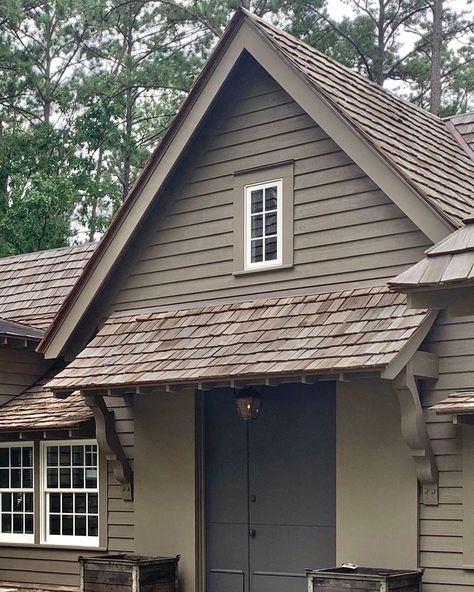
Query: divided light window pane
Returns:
{"type": "Point", "coordinates": [16, 493]}
{"type": "Point", "coordinates": [72, 493]}
{"type": "Point", "coordinates": [263, 212]}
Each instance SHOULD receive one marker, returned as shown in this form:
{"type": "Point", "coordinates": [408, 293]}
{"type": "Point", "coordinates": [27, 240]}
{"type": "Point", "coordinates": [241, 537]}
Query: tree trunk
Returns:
{"type": "Point", "coordinates": [95, 199]}
{"type": "Point", "coordinates": [436, 50]}
{"type": "Point", "coordinates": [379, 63]}
{"type": "Point", "coordinates": [129, 93]}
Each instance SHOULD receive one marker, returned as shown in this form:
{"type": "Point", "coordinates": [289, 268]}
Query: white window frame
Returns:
{"type": "Point", "coordinates": [247, 226]}
{"type": "Point", "coordinates": [11, 537]}
{"type": "Point", "coordinates": [67, 540]}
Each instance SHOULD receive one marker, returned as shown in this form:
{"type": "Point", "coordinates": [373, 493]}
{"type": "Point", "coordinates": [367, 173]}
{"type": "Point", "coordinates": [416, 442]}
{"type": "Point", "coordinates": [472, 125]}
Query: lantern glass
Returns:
{"type": "Point", "coordinates": [248, 402]}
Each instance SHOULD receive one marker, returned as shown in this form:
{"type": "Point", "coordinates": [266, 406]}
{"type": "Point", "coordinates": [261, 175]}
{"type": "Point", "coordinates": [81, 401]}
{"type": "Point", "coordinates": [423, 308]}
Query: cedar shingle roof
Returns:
{"type": "Point", "coordinates": [417, 143]}
{"type": "Point", "coordinates": [464, 124]}
{"type": "Point", "coordinates": [449, 263]}
{"type": "Point", "coordinates": [457, 403]}
{"type": "Point", "coordinates": [38, 409]}
{"type": "Point", "coordinates": [33, 286]}
{"type": "Point", "coordinates": [357, 329]}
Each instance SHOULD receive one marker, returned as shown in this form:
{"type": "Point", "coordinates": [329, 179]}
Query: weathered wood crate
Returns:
{"type": "Point", "coordinates": [362, 579]}
{"type": "Point", "coordinates": [129, 573]}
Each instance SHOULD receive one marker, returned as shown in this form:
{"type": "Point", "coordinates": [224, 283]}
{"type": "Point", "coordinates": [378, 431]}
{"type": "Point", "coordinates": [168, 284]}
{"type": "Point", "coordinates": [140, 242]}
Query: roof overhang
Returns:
{"type": "Point", "coordinates": [19, 336]}
{"type": "Point", "coordinates": [357, 333]}
{"type": "Point", "coordinates": [240, 36]}
{"type": "Point", "coordinates": [458, 405]}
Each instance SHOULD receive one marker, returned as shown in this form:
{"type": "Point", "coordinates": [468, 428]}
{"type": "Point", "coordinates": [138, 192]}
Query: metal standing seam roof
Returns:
{"type": "Point", "coordinates": [352, 330]}
{"type": "Point", "coordinates": [460, 403]}
{"type": "Point", "coordinates": [449, 263]}
{"type": "Point", "coordinates": [415, 141]}
{"type": "Point", "coordinates": [33, 286]}
{"type": "Point", "coordinates": [37, 409]}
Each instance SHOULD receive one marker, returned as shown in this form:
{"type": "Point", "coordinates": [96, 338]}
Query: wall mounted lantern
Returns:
{"type": "Point", "coordinates": [248, 402]}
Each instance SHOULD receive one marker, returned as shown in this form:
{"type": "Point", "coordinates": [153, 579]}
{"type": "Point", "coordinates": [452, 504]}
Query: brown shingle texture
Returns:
{"type": "Point", "coordinates": [33, 286]}
{"type": "Point", "coordinates": [417, 143]}
{"type": "Point", "coordinates": [457, 403]}
{"type": "Point", "coordinates": [449, 262]}
{"type": "Point", "coordinates": [356, 329]}
{"type": "Point", "coordinates": [38, 409]}
{"type": "Point", "coordinates": [464, 124]}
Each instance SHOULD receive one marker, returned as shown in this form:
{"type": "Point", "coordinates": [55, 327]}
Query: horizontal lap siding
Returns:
{"type": "Point", "coordinates": [346, 231]}
{"type": "Point", "coordinates": [19, 369]}
{"type": "Point", "coordinates": [59, 567]}
{"type": "Point", "coordinates": [441, 527]}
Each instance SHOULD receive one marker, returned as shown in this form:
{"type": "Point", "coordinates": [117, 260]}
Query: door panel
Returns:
{"type": "Point", "coordinates": [275, 477]}
{"type": "Point", "coordinates": [226, 495]}
{"type": "Point", "coordinates": [292, 457]}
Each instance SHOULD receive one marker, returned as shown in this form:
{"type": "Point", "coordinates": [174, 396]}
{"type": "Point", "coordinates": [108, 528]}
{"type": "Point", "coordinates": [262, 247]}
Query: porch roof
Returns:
{"type": "Point", "coordinates": [460, 403]}
{"type": "Point", "coordinates": [37, 409]}
{"type": "Point", "coordinates": [449, 263]}
{"type": "Point", "coordinates": [19, 331]}
{"type": "Point", "coordinates": [353, 330]}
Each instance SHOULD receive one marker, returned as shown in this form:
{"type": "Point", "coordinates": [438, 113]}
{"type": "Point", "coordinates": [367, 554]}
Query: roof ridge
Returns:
{"type": "Point", "coordinates": [340, 65]}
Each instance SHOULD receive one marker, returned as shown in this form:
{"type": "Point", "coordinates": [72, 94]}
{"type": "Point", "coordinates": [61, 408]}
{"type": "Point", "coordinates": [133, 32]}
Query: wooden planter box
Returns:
{"type": "Point", "coordinates": [129, 573]}
{"type": "Point", "coordinates": [364, 578]}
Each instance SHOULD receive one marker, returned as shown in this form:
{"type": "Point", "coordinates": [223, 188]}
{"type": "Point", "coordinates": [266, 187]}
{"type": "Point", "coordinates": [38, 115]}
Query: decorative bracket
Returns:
{"type": "Point", "coordinates": [108, 440]}
{"type": "Point", "coordinates": [416, 435]}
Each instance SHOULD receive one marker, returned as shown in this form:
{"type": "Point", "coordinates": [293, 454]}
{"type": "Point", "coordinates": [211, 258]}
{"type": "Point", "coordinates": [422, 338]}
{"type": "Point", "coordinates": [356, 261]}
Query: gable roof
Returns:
{"type": "Point", "coordinates": [33, 286]}
{"type": "Point", "coordinates": [352, 330]}
{"type": "Point", "coordinates": [415, 141]}
{"type": "Point", "coordinates": [463, 125]}
{"type": "Point", "coordinates": [37, 408]}
{"type": "Point", "coordinates": [410, 154]}
{"type": "Point", "coordinates": [449, 263]}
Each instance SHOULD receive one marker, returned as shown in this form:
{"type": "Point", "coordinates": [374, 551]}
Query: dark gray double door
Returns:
{"type": "Point", "coordinates": [270, 489]}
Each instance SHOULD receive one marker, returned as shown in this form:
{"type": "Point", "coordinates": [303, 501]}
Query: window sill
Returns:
{"type": "Point", "coordinates": [53, 546]}
{"type": "Point", "coordinates": [263, 269]}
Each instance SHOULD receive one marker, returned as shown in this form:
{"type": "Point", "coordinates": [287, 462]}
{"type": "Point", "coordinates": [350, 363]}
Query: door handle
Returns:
{"type": "Point", "coordinates": [252, 533]}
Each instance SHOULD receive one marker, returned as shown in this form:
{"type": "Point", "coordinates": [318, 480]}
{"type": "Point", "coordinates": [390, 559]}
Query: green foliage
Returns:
{"type": "Point", "coordinates": [88, 88]}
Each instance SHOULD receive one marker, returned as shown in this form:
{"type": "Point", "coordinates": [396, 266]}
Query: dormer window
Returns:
{"type": "Point", "coordinates": [263, 224]}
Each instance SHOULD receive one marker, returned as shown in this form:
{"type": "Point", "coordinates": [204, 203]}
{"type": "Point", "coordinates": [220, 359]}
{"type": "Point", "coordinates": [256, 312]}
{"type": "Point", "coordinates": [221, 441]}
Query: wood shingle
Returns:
{"type": "Point", "coordinates": [356, 329]}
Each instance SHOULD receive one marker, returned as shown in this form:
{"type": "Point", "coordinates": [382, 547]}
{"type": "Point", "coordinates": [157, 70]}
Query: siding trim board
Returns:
{"type": "Point", "coordinates": [234, 43]}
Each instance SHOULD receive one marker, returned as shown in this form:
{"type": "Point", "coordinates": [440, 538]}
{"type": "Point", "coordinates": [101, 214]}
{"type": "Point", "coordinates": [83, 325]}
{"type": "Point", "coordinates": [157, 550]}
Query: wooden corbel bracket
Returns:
{"type": "Point", "coordinates": [416, 435]}
{"type": "Point", "coordinates": [108, 441]}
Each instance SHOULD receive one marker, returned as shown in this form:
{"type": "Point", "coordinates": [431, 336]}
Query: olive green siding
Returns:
{"type": "Point", "coordinates": [441, 527]}
{"type": "Point", "coordinates": [55, 566]}
{"type": "Point", "coordinates": [346, 231]}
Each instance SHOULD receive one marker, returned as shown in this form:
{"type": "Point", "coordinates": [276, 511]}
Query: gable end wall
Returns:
{"type": "Point", "coordinates": [346, 231]}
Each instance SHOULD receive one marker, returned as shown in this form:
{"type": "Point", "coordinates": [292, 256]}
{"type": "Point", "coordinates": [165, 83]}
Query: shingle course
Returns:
{"type": "Point", "coordinates": [357, 329]}
{"type": "Point", "coordinates": [37, 408]}
{"type": "Point", "coordinates": [33, 286]}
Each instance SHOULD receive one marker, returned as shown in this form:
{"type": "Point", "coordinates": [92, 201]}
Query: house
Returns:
{"type": "Point", "coordinates": [250, 264]}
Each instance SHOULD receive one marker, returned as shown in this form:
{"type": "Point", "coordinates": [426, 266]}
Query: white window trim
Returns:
{"type": "Point", "coordinates": [248, 264]}
{"type": "Point", "coordinates": [60, 540]}
{"type": "Point", "coordinates": [11, 537]}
